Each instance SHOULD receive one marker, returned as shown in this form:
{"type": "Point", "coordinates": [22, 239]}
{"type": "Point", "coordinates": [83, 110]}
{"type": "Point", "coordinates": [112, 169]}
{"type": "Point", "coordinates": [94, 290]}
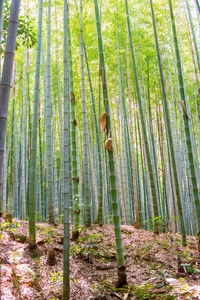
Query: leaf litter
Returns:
{"type": "Point", "coordinates": [151, 262]}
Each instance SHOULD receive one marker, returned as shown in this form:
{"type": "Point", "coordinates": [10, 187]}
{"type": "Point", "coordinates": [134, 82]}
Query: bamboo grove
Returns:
{"type": "Point", "coordinates": [100, 116]}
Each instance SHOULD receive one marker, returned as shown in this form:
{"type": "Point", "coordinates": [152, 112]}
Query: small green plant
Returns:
{"type": "Point", "coordinates": [190, 268]}
{"type": "Point", "coordinates": [48, 232]}
{"type": "Point", "coordinates": [9, 226]}
{"type": "Point", "coordinates": [163, 244]}
{"type": "Point", "coordinates": [60, 219]}
{"type": "Point", "coordinates": [39, 227]}
{"type": "Point", "coordinates": [38, 216]}
{"type": "Point", "coordinates": [95, 288]}
{"type": "Point", "coordinates": [56, 277]}
{"type": "Point", "coordinates": [137, 253]}
{"type": "Point", "coordinates": [146, 292]}
{"type": "Point", "coordinates": [187, 255]}
{"type": "Point", "coordinates": [149, 247]}
{"type": "Point", "coordinates": [86, 246]}
{"type": "Point", "coordinates": [163, 274]}
{"type": "Point", "coordinates": [83, 249]}
{"type": "Point", "coordinates": [143, 291]}
{"type": "Point", "coordinates": [188, 263]}
{"type": "Point", "coordinates": [161, 222]}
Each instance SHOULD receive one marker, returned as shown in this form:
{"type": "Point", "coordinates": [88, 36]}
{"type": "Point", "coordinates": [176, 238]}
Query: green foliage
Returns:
{"type": "Point", "coordinates": [146, 292]}
{"type": "Point", "coordinates": [148, 248]}
{"type": "Point", "coordinates": [163, 244]}
{"type": "Point", "coordinates": [48, 231]}
{"type": "Point", "coordinates": [91, 245]}
{"type": "Point", "coordinates": [60, 219]}
{"type": "Point", "coordinates": [190, 268]}
{"type": "Point", "coordinates": [161, 221]}
{"type": "Point", "coordinates": [86, 246]}
{"type": "Point", "coordinates": [26, 33]}
{"type": "Point", "coordinates": [190, 265]}
{"type": "Point", "coordinates": [7, 226]}
{"type": "Point", "coordinates": [56, 277]}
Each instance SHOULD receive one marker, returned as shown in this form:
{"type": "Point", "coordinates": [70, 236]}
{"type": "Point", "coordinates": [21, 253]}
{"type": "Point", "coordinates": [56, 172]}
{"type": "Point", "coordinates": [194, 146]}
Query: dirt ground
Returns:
{"type": "Point", "coordinates": [158, 267]}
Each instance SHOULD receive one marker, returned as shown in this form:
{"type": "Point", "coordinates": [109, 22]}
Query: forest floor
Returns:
{"type": "Point", "coordinates": [158, 266]}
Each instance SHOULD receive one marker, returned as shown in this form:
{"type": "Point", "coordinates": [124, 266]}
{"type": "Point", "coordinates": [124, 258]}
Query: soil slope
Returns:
{"type": "Point", "coordinates": [158, 267]}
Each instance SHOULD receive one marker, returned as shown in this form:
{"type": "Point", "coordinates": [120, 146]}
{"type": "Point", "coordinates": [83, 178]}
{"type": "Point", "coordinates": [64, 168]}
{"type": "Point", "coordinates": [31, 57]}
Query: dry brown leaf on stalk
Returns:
{"type": "Point", "coordinates": [184, 108]}
{"type": "Point", "coordinates": [108, 145]}
{"type": "Point", "coordinates": [75, 122]}
{"type": "Point", "coordinates": [103, 122]}
{"type": "Point", "coordinates": [75, 178]}
{"type": "Point", "coordinates": [72, 99]}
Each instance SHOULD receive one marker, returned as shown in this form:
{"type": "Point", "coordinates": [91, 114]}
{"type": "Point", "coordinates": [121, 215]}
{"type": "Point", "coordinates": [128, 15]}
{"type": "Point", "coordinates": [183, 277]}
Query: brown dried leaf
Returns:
{"type": "Point", "coordinates": [184, 108]}
{"type": "Point", "coordinates": [103, 122]}
{"type": "Point", "coordinates": [72, 99]}
{"type": "Point", "coordinates": [75, 178]}
{"type": "Point", "coordinates": [108, 145]}
{"type": "Point", "coordinates": [75, 122]}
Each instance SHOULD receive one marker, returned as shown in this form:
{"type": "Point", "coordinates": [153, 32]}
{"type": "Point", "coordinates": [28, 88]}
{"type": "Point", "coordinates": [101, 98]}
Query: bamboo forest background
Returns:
{"type": "Point", "coordinates": [152, 64]}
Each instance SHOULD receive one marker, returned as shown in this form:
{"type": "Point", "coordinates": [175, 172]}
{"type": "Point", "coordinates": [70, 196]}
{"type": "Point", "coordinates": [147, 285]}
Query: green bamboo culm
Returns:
{"type": "Point", "coordinates": [33, 168]}
{"type": "Point", "coordinates": [75, 177]}
{"type": "Point", "coordinates": [23, 138]}
{"type": "Point", "coordinates": [61, 203]}
{"type": "Point", "coordinates": [5, 83]}
{"type": "Point", "coordinates": [66, 279]}
{"type": "Point", "coordinates": [16, 152]}
{"type": "Point", "coordinates": [40, 164]}
{"type": "Point", "coordinates": [185, 118]}
{"type": "Point", "coordinates": [48, 124]}
{"type": "Point", "coordinates": [144, 131]}
{"type": "Point", "coordinates": [198, 6]}
{"type": "Point", "coordinates": [1, 27]}
{"type": "Point", "coordinates": [115, 210]}
{"type": "Point", "coordinates": [169, 132]}
{"type": "Point", "coordinates": [98, 142]}
{"type": "Point", "coordinates": [193, 35]}
{"type": "Point", "coordinates": [85, 133]}
{"type": "Point", "coordinates": [126, 145]}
